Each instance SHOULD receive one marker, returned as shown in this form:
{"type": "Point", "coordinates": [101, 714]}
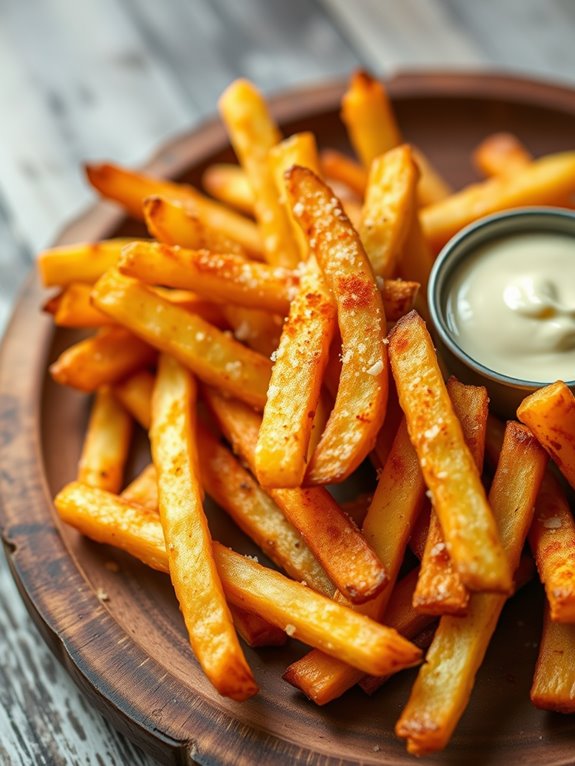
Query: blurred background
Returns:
{"type": "Point", "coordinates": [111, 79]}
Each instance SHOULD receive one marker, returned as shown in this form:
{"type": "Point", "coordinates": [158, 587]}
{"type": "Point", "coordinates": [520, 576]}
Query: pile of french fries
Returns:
{"type": "Point", "coordinates": [267, 339]}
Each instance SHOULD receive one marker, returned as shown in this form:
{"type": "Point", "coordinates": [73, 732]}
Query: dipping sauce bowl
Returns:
{"type": "Point", "coordinates": [502, 301]}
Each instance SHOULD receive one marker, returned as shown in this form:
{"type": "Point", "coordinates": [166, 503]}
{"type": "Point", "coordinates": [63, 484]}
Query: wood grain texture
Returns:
{"type": "Point", "coordinates": [129, 651]}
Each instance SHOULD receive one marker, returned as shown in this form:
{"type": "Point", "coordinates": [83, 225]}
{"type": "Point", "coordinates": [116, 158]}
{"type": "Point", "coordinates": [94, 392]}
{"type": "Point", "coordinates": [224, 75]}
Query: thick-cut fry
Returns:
{"type": "Point", "coordinates": [501, 154]}
{"type": "Point", "coordinates": [222, 277]}
{"type": "Point", "coordinates": [336, 166]}
{"type": "Point", "coordinates": [107, 357]}
{"type": "Point", "coordinates": [253, 133]}
{"type": "Point", "coordinates": [175, 223]}
{"type": "Point", "coordinates": [398, 297]}
{"type": "Point", "coordinates": [420, 531]}
{"type": "Point", "coordinates": [552, 541]}
{"type": "Point", "coordinates": [439, 588]}
{"type": "Point", "coordinates": [431, 187]}
{"type": "Point", "coordinates": [258, 329]}
{"type": "Point", "coordinates": [361, 400]}
{"type": "Point", "coordinates": [348, 560]}
{"type": "Point", "coordinates": [230, 184]}
{"type": "Point", "coordinates": [554, 680]}
{"type": "Point", "coordinates": [187, 538]}
{"type": "Point", "coordinates": [256, 631]}
{"type": "Point", "coordinates": [550, 414]}
{"type": "Point", "coordinates": [211, 354]}
{"type": "Point", "coordinates": [106, 444]}
{"type": "Point", "coordinates": [546, 181]}
{"type": "Point", "coordinates": [387, 526]}
{"type": "Point", "coordinates": [73, 308]}
{"type": "Point", "coordinates": [85, 263]}
{"type": "Point", "coordinates": [303, 613]}
{"type": "Point", "coordinates": [130, 189]}
{"type": "Point", "coordinates": [143, 490]}
{"type": "Point", "coordinates": [450, 473]}
{"type": "Point", "coordinates": [444, 684]}
{"type": "Point", "coordinates": [418, 258]}
{"type": "Point", "coordinates": [369, 118]}
{"type": "Point", "coordinates": [135, 393]}
{"type": "Point", "coordinates": [388, 431]}
{"type": "Point", "coordinates": [295, 385]}
{"type": "Point", "coordinates": [388, 209]}
{"type": "Point", "coordinates": [196, 304]}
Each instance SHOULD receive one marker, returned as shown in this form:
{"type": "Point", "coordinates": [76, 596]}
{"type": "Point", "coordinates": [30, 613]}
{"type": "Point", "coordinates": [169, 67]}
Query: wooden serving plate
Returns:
{"type": "Point", "coordinates": [128, 649]}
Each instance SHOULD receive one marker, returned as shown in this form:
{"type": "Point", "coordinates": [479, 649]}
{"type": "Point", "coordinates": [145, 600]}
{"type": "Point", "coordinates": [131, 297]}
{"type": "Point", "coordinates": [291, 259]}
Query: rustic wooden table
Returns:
{"type": "Point", "coordinates": [112, 79]}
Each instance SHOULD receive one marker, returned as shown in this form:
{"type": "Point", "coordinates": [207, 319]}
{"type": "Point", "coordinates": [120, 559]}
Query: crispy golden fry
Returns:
{"type": "Point", "coordinates": [221, 277]}
{"type": "Point", "coordinates": [387, 526]}
{"type": "Point", "coordinates": [439, 588]}
{"type": "Point", "coordinates": [73, 308]}
{"type": "Point", "coordinates": [450, 473]}
{"type": "Point", "coordinates": [84, 262]}
{"type": "Point", "coordinates": [107, 357]}
{"type": "Point", "coordinates": [253, 133]}
{"type": "Point", "coordinates": [550, 414]}
{"type": "Point", "coordinates": [232, 487]}
{"type": "Point", "coordinates": [295, 385]}
{"type": "Point", "coordinates": [336, 166]}
{"type": "Point", "coordinates": [431, 187]}
{"type": "Point", "coordinates": [209, 353]}
{"type": "Point", "coordinates": [187, 538]}
{"type": "Point", "coordinates": [554, 680]}
{"type": "Point", "coordinates": [230, 184]}
{"type": "Point", "coordinates": [258, 329]}
{"type": "Point", "coordinates": [359, 408]}
{"type": "Point", "coordinates": [129, 189]}
{"type": "Point", "coordinates": [401, 615]}
{"type": "Point", "coordinates": [420, 531]}
{"type": "Point", "coordinates": [388, 209]}
{"type": "Point", "coordinates": [417, 258]}
{"type": "Point", "coordinates": [398, 297]}
{"type": "Point", "coordinates": [546, 181]}
{"type": "Point", "coordinates": [388, 431]}
{"type": "Point", "coordinates": [106, 443]}
{"type": "Point", "coordinates": [369, 118]}
{"type": "Point", "coordinates": [493, 440]}
{"type": "Point", "coordinates": [135, 394]}
{"type": "Point", "coordinates": [299, 149]}
{"type": "Point", "coordinates": [444, 684]}
{"type": "Point", "coordinates": [143, 490]}
{"type": "Point", "coordinates": [501, 154]}
{"type": "Point", "coordinates": [174, 223]}
{"type": "Point", "coordinates": [348, 560]}
{"type": "Point", "coordinates": [196, 304]}
{"type": "Point", "coordinates": [303, 613]}
{"type": "Point", "coordinates": [255, 631]}
{"type": "Point", "coordinates": [552, 541]}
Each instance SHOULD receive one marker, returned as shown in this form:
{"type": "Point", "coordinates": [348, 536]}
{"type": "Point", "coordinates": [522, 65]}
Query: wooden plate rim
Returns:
{"type": "Point", "coordinates": [23, 483]}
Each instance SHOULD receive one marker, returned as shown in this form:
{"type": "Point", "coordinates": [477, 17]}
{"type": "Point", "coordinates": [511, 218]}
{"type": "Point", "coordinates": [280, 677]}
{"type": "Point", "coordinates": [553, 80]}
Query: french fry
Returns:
{"type": "Point", "coordinates": [336, 542]}
{"type": "Point", "coordinates": [107, 357]}
{"type": "Point", "coordinates": [388, 208]}
{"type": "Point", "coordinates": [546, 181]}
{"type": "Point", "coordinates": [361, 400]}
{"type": "Point", "coordinates": [444, 684]}
{"type": "Point", "coordinates": [399, 297]}
{"type": "Point", "coordinates": [84, 262]}
{"type": "Point", "coordinates": [369, 118]}
{"type": "Point", "coordinates": [258, 329]}
{"type": "Point", "coordinates": [295, 385]}
{"type": "Point", "coordinates": [305, 614]}
{"type": "Point", "coordinates": [420, 531]}
{"type": "Point", "coordinates": [553, 685]}
{"type": "Point", "coordinates": [223, 277]}
{"type": "Point", "coordinates": [431, 187]}
{"type": "Point", "coordinates": [439, 588]}
{"type": "Point", "coordinates": [195, 304]}
{"type": "Point", "coordinates": [255, 631]}
{"type": "Point", "coordinates": [135, 394]}
{"type": "Point", "coordinates": [336, 166]}
{"type": "Point", "coordinates": [550, 414]}
{"type": "Point", "coordinates": [106, 443]}
{"type": "Point", "coordinates": [187, 538]}
{"type": "Point", "coordinates": [230, 184]}
{"type": "Point", "coordinates": [552, 541]}
{"type": "Point", "coordinates": [501, 154]}
{"type": "Point", "coordinates": [417, 259]}
{"type": "Point", "coordinates": [253, 133]}
{"type": "Point", "coordinates": [74, 308]}
{"type": "Point", "coordinates": [450, 473]}
{"type": "Point", "coordinates": [387, 526]}
{"type": "Point", "coordinates": [143, 490]}
{"type": "Point", "coordinates": [174, 223]}
{"type": "Point", "coordinates": [209, 353]}
{"type": "Point", "coordinates": [129, 189]}
{"type": "Point", "coordinates": [388, 431]}
{"type": "Point", "coordinates": [493, 440]}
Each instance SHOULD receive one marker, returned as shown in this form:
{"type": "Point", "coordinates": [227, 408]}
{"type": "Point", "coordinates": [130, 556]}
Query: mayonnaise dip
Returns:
{"type": "Point", "coordinates": [511, 306]}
